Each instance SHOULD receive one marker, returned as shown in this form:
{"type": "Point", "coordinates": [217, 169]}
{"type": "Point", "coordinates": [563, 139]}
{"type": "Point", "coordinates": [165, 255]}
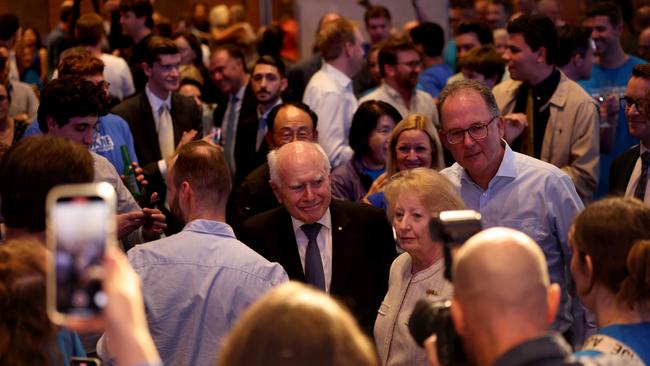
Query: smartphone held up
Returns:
{"type": "Point", "coordinates": [80, 226]}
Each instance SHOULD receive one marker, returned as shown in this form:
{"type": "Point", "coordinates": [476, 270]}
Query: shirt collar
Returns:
{"type": "Point", "coordinates": [507, 168]}
{"type": "Point", "coordinates": [337, 75]}
{"type": "Point", "coordinates": [325, 220]}
{"type": "Point", "coordinates": [392, 92]}
{"type": "Point", "coordinates": [156, 102]}
{"type": "Point", "coordinates": [266, 114]}
{"type": "Point", "coordinates": [209, 227]}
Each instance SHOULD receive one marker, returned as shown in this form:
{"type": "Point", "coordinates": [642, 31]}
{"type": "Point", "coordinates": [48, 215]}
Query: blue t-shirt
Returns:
{"type": "Point", "coordinates": [373, 174]}
{"type": "Point", "coordinates": [69, 345]}
{"type": "Point", "coordinates": [378, 200]}
{"type": "Point", "coordinates": [634, 336]}
{"type": "Point", "coordinates": [450, 53]}
{"type": "Point", "coordinates": [112, 133]}
{"type": "Point", "coordinates": [603, 82]}
{"type": "Point", "coordinates": [434, 79]}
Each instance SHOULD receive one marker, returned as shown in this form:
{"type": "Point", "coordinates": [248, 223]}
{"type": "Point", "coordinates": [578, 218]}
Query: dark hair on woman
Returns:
{"type": "Point", "coordinates": [27, 337]}
{"type": "Point", "coordinates": [194, 43]}
{"type": "Point", "coordinates": [614, 232]}
{"type": "Point", "coordinates": [37, 34]}
{"type": "Point", "coordinates": [364, 122]}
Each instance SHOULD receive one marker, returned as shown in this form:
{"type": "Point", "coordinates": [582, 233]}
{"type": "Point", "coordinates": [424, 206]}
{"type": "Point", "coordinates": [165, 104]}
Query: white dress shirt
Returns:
{"type": "Point", "coordinates": [329, 94]}
{"type": "Point", "coordinates": [155, 104]}
{"type": "Point", "coordinates": [421, 102]}
{"type": "Point", "coordinates": [324, 241]}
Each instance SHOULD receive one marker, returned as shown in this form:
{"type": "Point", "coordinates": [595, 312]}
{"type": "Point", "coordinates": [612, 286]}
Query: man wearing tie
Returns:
{"type": "Point", "coordinates": [228, 71]}
{"type": "Point", "coordinates": [342, 248]}
{"type": "Point", "coordinates": [160, 119]}
{"type": "Point", "coordinates": [629, 173]}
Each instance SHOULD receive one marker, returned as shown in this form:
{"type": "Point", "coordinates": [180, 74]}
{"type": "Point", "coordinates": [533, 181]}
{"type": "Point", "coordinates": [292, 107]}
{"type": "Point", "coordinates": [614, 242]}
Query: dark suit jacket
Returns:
{"type": "Point", "coordinates": [253, 196]}
{"type": "Point", "coordinates": [363, 250]}
{"type": "Point", "coordinates": [137, 113]}
{"type": "Point", "coordinates": [621, 170]}
{"type": "Point", "coordinates": [246, 131]}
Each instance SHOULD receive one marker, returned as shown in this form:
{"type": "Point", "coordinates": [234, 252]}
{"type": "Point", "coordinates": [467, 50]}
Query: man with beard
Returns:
{"type": "Point", "coordinates": [610, 73]}
{"type": "Point", "coordinates": [268, 81]}
{"type": "Point", "coordinates": [196, 283]}
{"type": "Point", "coordinates": [160, 119]}
{"type": "Point", "coordinates": [400, 65]}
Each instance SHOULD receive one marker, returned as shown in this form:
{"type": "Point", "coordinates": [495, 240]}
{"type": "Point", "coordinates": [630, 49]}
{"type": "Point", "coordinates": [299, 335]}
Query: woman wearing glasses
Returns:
{"type": "Point", "coordinates": [414, 196]}
{"type": "Point", "coordinates": [414, 143]}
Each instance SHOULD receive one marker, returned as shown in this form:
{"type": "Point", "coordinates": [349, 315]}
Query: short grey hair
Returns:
{"type": "Point", "coordinates": [465, 86]}
{"type": "Point", "coordinates": [272, 158]}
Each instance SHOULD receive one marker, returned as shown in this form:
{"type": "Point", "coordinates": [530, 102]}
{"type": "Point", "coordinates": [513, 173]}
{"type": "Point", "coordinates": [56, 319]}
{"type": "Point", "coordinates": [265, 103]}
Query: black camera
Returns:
{"type": "Point", "coordinates": [433, 316]}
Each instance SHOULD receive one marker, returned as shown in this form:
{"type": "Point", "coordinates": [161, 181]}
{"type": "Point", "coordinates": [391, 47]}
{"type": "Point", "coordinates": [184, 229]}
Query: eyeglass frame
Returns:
{"type": "Point", "coordinates": [483, 125]}
{"type": "Point", "coordinates": [635, 102]}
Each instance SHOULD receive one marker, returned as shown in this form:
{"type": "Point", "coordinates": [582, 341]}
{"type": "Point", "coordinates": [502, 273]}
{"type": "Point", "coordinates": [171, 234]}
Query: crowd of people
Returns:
{"type": "Point", "coordinates": [281, 209]}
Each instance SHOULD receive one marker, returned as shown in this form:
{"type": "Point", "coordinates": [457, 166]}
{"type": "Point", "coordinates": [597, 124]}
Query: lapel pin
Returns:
{"type": "Point", "coordinates": [340, 228]}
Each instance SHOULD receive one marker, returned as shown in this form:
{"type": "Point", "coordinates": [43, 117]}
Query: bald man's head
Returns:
{"type": "Point", "coordinates": [500, 274]}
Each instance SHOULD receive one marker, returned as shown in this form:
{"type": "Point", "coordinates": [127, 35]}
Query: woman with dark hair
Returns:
{"type": "Point", "coordinates": [610, 241]}
{"type": "Point", "coordinates": [371, 127]}
{"type": "Point", "coordinates": [27, 336]}
{"type": "Point", "coordinates": [192, 55]}
{"type": "Point", "coordinates": [32, 43]}
{"type": "Point", "coordinates": [11, 129]}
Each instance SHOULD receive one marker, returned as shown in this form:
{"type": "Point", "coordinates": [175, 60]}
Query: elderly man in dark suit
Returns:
{"type": "Point", "coordinates": [342, 248]}
{"type": "Point", "coordinates": [629, 173]}
{"type": "Point", "coordinates": [160, 119]}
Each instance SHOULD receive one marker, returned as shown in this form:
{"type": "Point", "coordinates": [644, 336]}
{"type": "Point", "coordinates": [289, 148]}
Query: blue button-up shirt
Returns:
{"type": "Point", "coordinates": [195, 285]}
{"type": "Point", "coordinates": [533, 197]}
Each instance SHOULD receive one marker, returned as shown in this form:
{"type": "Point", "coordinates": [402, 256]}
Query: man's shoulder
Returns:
{"type": "Point", "coordinates": [111, 61]}
{"type": "Point", "coordinates": [632, 153]}
{"type": "Point", "coordinates": [20, 88]}
{"type": "Point", "coordinates": [377, 94]}
{"type": "Point", "coordinates": [506, 86]}
{"type": "Point", "coordinates": [453, 173]}
{"type": "Point", "coordinates": [574, 92]}
{"type": "Point", "coordinates": [320, 83]}
{"type": "Point", "coordinates": [258, 177]}
{"type": "Point", "coordinates": [270, 218]}
{"type": "Point", "coordinates": [358, 211]}
{"type": "Point", "coordinates": [129, 104]}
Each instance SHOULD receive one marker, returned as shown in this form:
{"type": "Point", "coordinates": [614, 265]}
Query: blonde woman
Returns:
{"type": "Point", "coordinates": [414, 197]}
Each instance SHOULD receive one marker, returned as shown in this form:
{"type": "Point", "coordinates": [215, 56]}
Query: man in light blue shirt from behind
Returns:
{"type": "Point", "coordinates": [509, 189]}
{"type": "Point", "coordinates": [198, 282]}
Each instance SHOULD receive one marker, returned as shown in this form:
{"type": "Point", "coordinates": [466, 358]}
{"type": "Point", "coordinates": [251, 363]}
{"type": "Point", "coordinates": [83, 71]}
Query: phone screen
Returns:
{"type": "Point", "coordinates": [80, 229]}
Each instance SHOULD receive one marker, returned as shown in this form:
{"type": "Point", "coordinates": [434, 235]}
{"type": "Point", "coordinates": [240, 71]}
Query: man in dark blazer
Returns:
{"type": "Point", "coordinates": [162, 70]}
{"type": "Point", "coordinates": [350, 252]}
{"type": "Point", "coordinates": [228, 71]}
{"type": "Point", "coordinates": [628, 170]}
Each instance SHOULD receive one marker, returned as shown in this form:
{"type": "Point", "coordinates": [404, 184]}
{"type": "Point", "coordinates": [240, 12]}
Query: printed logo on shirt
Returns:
{"type": "Point", "coordinates": [103, 143]}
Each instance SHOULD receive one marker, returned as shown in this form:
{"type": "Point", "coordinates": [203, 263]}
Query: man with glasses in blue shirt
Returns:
{"type": "Point", "coordinates": [629, 173]}
{"type": "Point", "coordinates": [508, 188]}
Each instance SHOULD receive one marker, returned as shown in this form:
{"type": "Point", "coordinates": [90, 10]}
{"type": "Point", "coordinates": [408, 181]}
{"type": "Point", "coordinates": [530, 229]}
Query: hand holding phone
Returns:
{"type": "Point", "coordinates": [80, 226]}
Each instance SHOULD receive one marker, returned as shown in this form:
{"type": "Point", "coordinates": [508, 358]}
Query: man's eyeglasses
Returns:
{"type": "Point", "coordinates": [641, 104]}
{"type": "Point", "coordinates": [477, 131]}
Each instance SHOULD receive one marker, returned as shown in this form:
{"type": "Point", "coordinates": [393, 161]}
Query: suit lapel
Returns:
{"type": "Point", "coordinates": [288, 247]}
{"type": "Point", "coordinates": [149, 125]}
{"type": "Point", "coordinates": [342, 252]}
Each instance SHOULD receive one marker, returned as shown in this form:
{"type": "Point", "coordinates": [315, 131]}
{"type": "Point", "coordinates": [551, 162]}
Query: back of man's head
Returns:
{"type": "Point", "coordinates": [204, 167]}
{"type": "Point", "coordinates": [9, 25]}
{"type": "Point", "coordinates": [538, 31]}
{"type": "Point", "coordinates": [89, 29]}
{"type": "Point", "coordinates": [79, 61]}
{"type": "Point", "coordinates": [641, 71]}
{"type": "Point", "coordinates": [158, 46]}
{"type": "Point", "coordinates": [430, 36]}
{"type": "Point", "coordinates": [606, 8]}
{"type": "Point", "coordinates": [572, 40]}
{"type": "Point", "coordinates": [141, 8]}
{"type": "Point", "coordinates": [333, 36]}
{"type": "Point", "coordinates": [30, 169]}
{"type": "Point", "coordinates": [501, 285]}
{"type": "Point", "coordinates": [484, 60]}
{"type": "Point", "coordinates": [70, 96]}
